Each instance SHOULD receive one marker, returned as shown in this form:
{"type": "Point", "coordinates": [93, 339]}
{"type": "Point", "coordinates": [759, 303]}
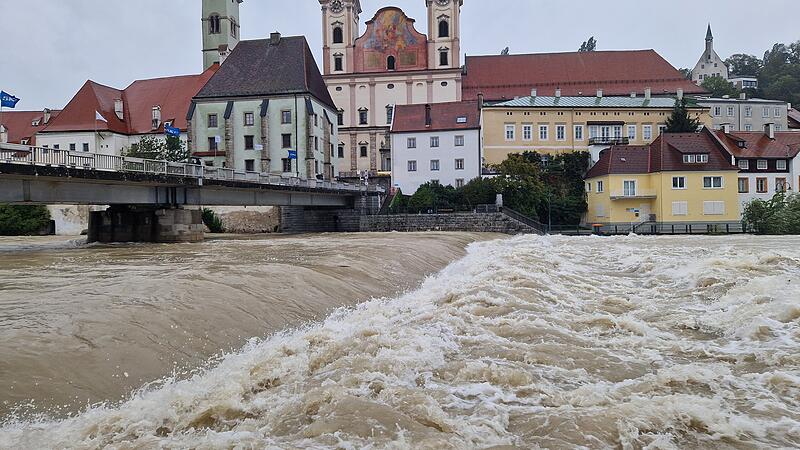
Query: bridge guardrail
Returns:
{"type": "Point", "coordinates": [41, 156]}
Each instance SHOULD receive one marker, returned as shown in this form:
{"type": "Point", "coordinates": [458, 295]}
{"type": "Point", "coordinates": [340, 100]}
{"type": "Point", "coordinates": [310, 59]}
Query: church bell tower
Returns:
{"type": "Point", "coordinates": [444, 32]}
{"type": "Point", "coordinates": [221, 29]}
{"type": "Point", "coordinates": [340, 29]}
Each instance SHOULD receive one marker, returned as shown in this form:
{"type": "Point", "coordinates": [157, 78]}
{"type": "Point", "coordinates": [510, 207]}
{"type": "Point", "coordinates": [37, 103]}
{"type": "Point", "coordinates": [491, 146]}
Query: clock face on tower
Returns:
{"type": "Point", "coordinates": [336, 6]}
{"type": "Point", "coordinates": [443, 2]}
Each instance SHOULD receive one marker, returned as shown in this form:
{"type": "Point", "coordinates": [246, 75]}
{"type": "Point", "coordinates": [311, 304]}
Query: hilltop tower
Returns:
{"type": "Point", "coordinates": [444, 31]}
{"type": "Point", "coordinates": [221, 29]}
{"type": "Point", "coordinates": [710, 64]}
{"type": "Point", "coordinates": [340, 22]}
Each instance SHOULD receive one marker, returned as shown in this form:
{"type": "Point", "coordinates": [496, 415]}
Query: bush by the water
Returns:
{"type": "Point", "coordinates": [779, 215]}
{"type": "Point", "coordinates": [23, 220]}
{"type": "Point", "coordinates": [212, 221]}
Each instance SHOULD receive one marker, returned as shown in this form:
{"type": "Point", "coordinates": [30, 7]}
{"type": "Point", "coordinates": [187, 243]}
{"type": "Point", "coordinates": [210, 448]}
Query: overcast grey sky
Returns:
{"type": "Point", "coordinates": [51, 47]}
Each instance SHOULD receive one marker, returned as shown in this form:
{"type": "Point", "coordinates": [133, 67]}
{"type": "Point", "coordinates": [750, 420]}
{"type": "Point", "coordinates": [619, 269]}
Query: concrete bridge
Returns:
{"type": "Point", "coordinates": [144, 194]}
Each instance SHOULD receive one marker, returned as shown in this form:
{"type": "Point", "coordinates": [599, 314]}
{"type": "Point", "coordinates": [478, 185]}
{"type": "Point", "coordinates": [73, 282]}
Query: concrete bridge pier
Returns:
{"type": "Point", "coordinates": [124, 223]}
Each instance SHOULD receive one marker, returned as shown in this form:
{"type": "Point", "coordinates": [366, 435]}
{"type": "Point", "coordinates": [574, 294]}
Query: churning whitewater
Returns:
{"type": "Point", "coordinates": [551, 342]}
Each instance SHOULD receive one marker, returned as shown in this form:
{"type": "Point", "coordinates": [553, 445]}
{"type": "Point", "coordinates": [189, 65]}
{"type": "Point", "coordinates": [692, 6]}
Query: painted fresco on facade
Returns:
{"type": "Point", "coordinates": [391, 34]}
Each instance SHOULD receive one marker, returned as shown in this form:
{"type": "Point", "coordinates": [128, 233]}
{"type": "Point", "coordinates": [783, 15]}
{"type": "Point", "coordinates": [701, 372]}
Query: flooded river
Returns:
{"type": "Point", "coordinates": [527, 342]}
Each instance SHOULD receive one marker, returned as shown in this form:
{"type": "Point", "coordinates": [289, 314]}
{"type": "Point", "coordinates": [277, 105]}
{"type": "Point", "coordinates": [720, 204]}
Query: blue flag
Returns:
{"type": "Point", "coordinates": [292, 154]}
{"type": "Point", "coordinates": [172, 131]}
{"type": "Point", "coordinates": [8, 100]}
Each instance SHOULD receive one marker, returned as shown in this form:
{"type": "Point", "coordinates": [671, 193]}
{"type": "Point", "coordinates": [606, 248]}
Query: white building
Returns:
{"type": "Point", "coordinates": [710, 64]}
{"type": "Point", "coordinates": [746, 114]}
{"type": "Point", "coordinates": [435, 142]}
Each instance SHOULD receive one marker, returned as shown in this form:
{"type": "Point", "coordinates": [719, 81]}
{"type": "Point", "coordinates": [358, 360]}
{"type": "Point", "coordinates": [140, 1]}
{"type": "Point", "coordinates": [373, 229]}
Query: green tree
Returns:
{"type": "Point", "coordinates": [22, 220]}
{"type": "Point", "coordinates": [778, 215]}
{"type": "Point", "coordinates": [151, 147]}
{"type": "Point", "coordinates": [588, 46]}
{"type": "Point", "coordinates": [687, 73]}
{"type": "Point", "coordinates": [480, 191]}
{"type": "Point", "coordinates": [744, 65]}
{"type": "Point", "coordinates": [719, 87]}
{"type": "Point", "coordinates": [681, 120]}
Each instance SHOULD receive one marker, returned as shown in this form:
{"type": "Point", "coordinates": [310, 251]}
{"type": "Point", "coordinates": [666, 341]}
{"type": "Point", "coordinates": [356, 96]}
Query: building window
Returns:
{"type": "Point", "coordinates": [601, 187]}
{"type": "Point", "coordinates": [459, 182]}
{"type": "Point", "coordinates": [390, 63]}
{"type": "Point", "coordinates": [714, 208]}
{"type": "Point", "coordinates": [561, 132]}
{"type": "Point", "coordinates": [578, 132]}
{"type": "Point", "coordinates": [744, 164]}
{"type": "Point", "coordinates": [363, 151]}
{"type": "Point", "coordinates": [234, 29]}
{"type": "Point", "coordinates": [444, 58]}
{"type": "Point", "coordinates": [718, 111]}
{"type": "Point", "coordinates": [434, 165]}
{"type": "Point", "coordinates": [444, 29]}
{"type": "Point", "coordinates": [617, 131]}
{"type": "Point", "coordinates": [661, 129]}
{"type": "Point", "coordinates": [212, 144]}
{"type": "Point", "coordinates": [765, 112]}
{"type": "Point", "coordinates": [761, 185]}
{"type": "Point", "coordinates": [544, 132]}
{"type": "Point", "coordinates": [511, 131]}
{"type": "Point", "coordinates": [629, 188]}
{"type": "Point", "coordinates": [780, 164]}
{"type": "Point", "coordinates": [213, 24]}
{"type": "Point", "coordinates": [678, 182]}
{"type": "Point", "coordinates": [56, 146]}
{"type": "Point", "coordinates": [341, 151]}
{"type": "Point", "coordinates": [249, 165]}
{"type": "Point", "coordinates": [389, 114]}
{"type": "Point", "coordinates": [249, 119]}
{"type": "Point", "coordinates": [340, 117]}
{"type": "Point", "coordinates": [85, 146]}
{"type": "Point", "coordinates": [647, 132]}
{"type": "Point", "coordinates": [338, 35]}
{"type": "Point", "coordinates": [527, 132]}
{"type": "Point", "coordinates": [731, 111]}
{"type": "Point", "coordinates": [680, 208]}
{"type": "Point", "coordinates": [287, 165]}
{"type": "Point", "coordinates": [777, 112]}
{"type": "Point", "coordinates": [249, 142]}
{"type": "Point", "coordinates": [459, 141]}
{"type": "Point", "coordinates": [411, 143]}
{"type": "Point", "coordinates": [338, 63]}
{"type": "Point", "coordinates": [316, 143]}
{"type": "Point", "coordinates": [744, 185]}
{"type": "Point", "coordinates": [363, 116]}
{"type": "Point", "coordinates": [412, 166]}
{"type": "Point", "coordinates": [632, 132]}
{"type": "Point", "coordinates": [748, 127]}
{"type": "Point", "coordinates": [434, 141]}
{"type": "Point", "coordinates": [459, 164]}
{"type": "Point", "coordinates": [286, 117]}
{"type": "Point", "coordinates": [593, 131]}
{"type": "Point", "coordinates": [72, 147]}
{"type": "Point", "coordinates": [212, 121]}
{"type": "Point", "coordinates": [712, 182]}
{"type": "Point", "coordinates": [748, 111]}
{"type": "Point", "coordinates": [762, 164]}
{"type": "Point", "coordinates": [286, 140]}
{"type": "Point", "coordinates": [780, 184]}
{"type": "Point", "coordinates": [778, 127]}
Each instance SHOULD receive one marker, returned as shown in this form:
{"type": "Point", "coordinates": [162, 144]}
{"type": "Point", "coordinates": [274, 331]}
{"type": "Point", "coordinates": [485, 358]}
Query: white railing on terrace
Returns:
{"type": "Point", "coordinates": [38, 156]}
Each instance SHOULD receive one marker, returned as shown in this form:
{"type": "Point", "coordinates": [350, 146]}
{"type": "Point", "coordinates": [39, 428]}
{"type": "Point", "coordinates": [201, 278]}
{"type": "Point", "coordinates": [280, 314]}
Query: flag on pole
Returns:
{"type": "Point", "coordinates": [98, 116]}
{"type": "Point", "coordinates": [7, 100]}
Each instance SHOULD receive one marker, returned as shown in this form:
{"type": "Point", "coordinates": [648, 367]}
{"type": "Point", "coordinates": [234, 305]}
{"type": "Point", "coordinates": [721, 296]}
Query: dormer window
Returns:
{"type": "Point", "coordinates": [156, 117]}
{"type": "Point", "coordinates": [213, 24]}
{"type": "Point", "coordinates": [462, 119]}
{"type": "Point", "coordinates": [36, 123]}
{"type": "Point", "coordinates": [695, 158]}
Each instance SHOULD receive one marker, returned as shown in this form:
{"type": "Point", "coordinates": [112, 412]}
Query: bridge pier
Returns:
{"type": "Point", "coordinates": [123, 223]}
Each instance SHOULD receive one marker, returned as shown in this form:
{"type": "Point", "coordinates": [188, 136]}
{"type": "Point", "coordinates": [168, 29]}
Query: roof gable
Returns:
{"type": "Point", "coordinates": [444, 117]}
{"type": "Point", "coordinates": [744, 144]}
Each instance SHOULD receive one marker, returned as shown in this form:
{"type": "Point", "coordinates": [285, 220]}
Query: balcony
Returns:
{"type": "Point", "coordinates": [638, 194]}
{"type": "Point", "coordinates": [609, 141]}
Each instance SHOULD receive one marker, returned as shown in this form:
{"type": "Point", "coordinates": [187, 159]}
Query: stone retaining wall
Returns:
{"type": "Point", "coordinates": [472, 222]}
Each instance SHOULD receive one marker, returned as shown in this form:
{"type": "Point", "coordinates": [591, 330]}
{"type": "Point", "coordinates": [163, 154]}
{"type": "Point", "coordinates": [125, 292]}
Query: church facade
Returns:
{"type": "Point", "coordinates": [390, 64]}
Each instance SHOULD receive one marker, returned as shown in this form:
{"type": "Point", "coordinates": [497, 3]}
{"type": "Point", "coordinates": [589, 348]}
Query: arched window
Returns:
{"type": "Point", "coordinates": [338, 35]}
{"type": "Point", "coordinates": [444, 28]}
{"type": "Point", "coordinates": [390, 63]}
{"type": "Point", "coordinates": [213, 24]}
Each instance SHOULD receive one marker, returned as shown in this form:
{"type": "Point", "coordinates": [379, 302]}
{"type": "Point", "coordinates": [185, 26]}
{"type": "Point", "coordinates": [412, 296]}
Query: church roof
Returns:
{"type": "Point", "coordinates": [262, 68]}
{"type": "Point", "coordinates": [709, 34]}
{"type": "Point", "coordinates": [504, 77]}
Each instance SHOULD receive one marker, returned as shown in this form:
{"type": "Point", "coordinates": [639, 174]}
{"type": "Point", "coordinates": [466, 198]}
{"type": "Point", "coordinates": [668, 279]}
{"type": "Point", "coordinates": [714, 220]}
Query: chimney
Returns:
{"type": "Point", "coordinates": [46, 116]}
{"type": "Point", "coordinates": [769, 130]}
{"type": "Point", "coordinates": [743, 96]}
{"type": "Point", "coordinates": [599, 93]}
{"type": "Point", "coordinates": [533, 93]}
{"type": "Point", "coordinates": [558, 93]}
{"type": "Point", "coordinates": [428, 118]}
{"type": "Point", "coordinates": [3, 134]}
{"type": "Point", "coordinates": [680, 94]}
{"type": "Point", "coordinates": [726, 128]}
{"type": "Point", "coordinates": [119, 109]}
{"type": "Point", "coordinates": [480, 100]}
{"type": "Point", "coordinates": [648, 93]}
{"type": "Point", "coordinates": [223, 53]}
{"type": "Point", "coordinates": [633, 94]}
{"type": "Point", "coordinates": [274, 38]}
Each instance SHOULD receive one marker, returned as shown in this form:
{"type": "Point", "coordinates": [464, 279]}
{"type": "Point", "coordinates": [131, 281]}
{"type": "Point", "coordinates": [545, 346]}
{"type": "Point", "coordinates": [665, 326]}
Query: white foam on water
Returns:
{"type": "Point", "coordinates": [548, 342]}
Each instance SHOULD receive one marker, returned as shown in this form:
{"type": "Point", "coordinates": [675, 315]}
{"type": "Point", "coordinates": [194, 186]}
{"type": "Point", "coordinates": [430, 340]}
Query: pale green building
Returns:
{"type": "Point", "coordinates": [221, 29]}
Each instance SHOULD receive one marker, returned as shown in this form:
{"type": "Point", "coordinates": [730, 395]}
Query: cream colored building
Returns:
{"type": "Point", "coordinates": [710, 64]}
{"type": "Point", "coordinates": [556, 124]}
{"type": "Point", "coordinates": [390, 64]}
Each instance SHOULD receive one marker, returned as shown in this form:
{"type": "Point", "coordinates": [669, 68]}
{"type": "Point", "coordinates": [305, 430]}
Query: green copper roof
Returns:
{"type": "Point", "coordinates": [588, 102]}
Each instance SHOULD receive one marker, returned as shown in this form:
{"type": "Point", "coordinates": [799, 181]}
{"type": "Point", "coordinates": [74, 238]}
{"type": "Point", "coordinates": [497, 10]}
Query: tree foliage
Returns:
{"type": "Point", "coordinates": [212, 221]}
{"type": "Point", "coordinates": [744, 65]}
{"type": "Point", "coordinates": [588, 46]}
{"type": "Point", "coordinates": [720, 87]}
{"type": "Point", "coordinates": [23, 220]}
{"type": "Point", "coordinates": [778, 72]}
{"type": "Point", "coordinates": [151, 147]}
{"type": "Point", "coordinates": [687, 73]}
{"type": "Point", "coordinates": [778, 215]}
{"type": "Point", "coordinates": [681, 120]}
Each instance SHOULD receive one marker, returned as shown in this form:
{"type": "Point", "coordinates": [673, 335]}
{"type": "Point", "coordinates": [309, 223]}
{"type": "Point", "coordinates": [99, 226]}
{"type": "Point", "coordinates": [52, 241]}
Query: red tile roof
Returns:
{"type": "Point", "coordinates": [759, 145]}
{"type": "Point", "coordinates": [20, 124]}
{"type": "Point", "coordinates": [579, 73]}
{"type": "Point", "coordinates": [444, 117]}
{"type": "Point", "coordinates": [665, 154]}
{"type": "Point", "coordinates": [172, 94]}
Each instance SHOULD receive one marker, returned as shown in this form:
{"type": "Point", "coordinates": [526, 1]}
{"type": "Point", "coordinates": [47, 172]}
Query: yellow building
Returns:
{"type": "Point", "coordinates": [681, 178]}
{"type": "Point", "coordinates": [559, 124]}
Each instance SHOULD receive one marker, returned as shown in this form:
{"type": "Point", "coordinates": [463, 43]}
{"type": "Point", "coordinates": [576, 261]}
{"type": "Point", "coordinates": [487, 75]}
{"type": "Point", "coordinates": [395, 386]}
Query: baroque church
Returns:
{"type": "Point", "coordinates": [391, 63]}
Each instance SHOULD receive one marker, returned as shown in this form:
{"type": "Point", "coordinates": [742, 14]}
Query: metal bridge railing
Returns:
{"type": "Point", "coordinates": [39, 156]}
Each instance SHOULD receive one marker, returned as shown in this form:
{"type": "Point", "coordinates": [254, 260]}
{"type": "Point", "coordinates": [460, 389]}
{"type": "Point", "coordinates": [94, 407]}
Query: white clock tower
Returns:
{"type": "Point", "coordinates": [340, 29]}
{"type": "Point", "coordinates": [444, 31]}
